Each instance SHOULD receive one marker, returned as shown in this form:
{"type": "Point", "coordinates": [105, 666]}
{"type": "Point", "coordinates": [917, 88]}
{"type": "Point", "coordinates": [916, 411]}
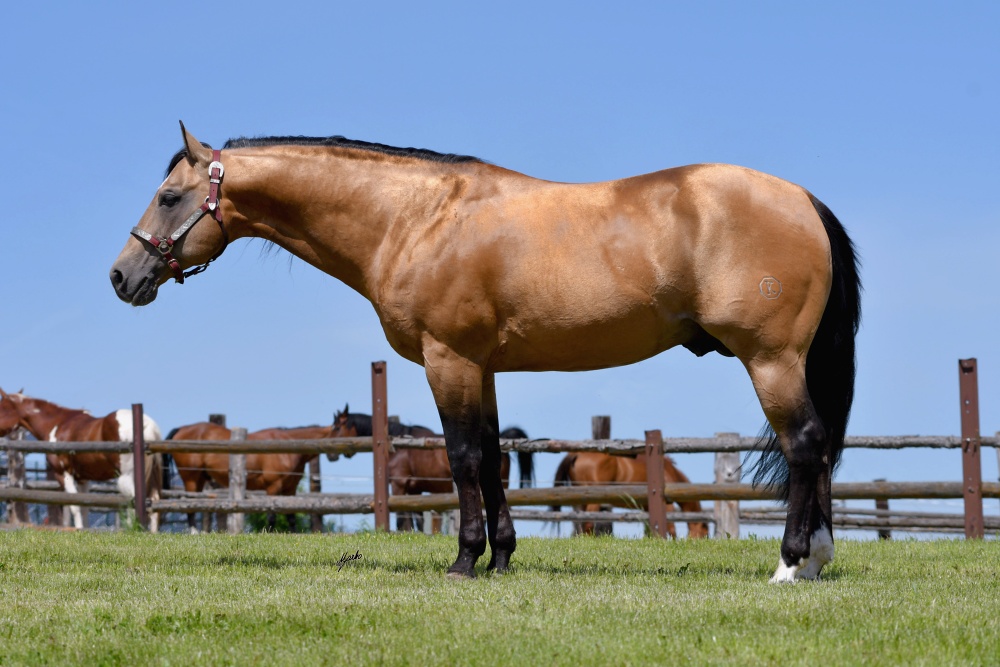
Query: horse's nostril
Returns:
{"type": "Point", "coordinates": [117, 279]}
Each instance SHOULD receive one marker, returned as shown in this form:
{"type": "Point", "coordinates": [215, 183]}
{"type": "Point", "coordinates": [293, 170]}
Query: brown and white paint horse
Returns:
{"type": "Point", "coordinates": [275, 474]}
{"type": "Point", "coordinates": [474, 270]}
{"type": "Point", "coordinates": [589, 468]}
{"type": "Point", "coordinates": [50, 422]}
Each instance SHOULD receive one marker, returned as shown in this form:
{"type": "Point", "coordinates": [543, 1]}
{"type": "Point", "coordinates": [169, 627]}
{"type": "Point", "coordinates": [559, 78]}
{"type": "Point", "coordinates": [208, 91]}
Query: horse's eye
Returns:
{"type": "Point", "coordinates": [168, 199]}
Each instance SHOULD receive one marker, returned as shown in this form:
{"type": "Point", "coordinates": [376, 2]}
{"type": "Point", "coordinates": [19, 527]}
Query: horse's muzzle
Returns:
{"type": "Point", "coordinates": [136, 291]}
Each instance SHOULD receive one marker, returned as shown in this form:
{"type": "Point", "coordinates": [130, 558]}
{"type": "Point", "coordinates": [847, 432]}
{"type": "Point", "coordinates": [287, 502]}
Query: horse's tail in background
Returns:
{"type": "Point", "coordinates": [525, 460]}
{"type": "Point", "coordinates": [830, 364]}
{"type": "Point", "coordinates": [562, 477]}
{"type": "Point", "coordinates": [526, 464]}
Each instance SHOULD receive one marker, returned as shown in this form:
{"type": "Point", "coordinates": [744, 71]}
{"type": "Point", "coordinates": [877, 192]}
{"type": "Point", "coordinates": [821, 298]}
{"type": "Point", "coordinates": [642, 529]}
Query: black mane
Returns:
{"type": "Point", "coordinates": [342, 142]}
{"type": "Point", "coordinates": [336, 141]}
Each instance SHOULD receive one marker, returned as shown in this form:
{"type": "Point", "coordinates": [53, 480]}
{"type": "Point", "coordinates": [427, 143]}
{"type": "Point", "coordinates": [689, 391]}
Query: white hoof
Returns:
{"type": "Point", "coordinates": [820, 553]}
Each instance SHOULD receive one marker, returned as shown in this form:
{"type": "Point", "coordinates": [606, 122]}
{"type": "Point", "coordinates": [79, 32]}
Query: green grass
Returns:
{"type": "Point", "coordinates": [132, 598]}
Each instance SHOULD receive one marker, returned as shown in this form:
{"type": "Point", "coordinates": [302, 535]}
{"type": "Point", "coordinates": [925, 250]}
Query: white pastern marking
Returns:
{"type": "Point", "coordinates": [70, 484]}
{"type": "Point", "coordinates": [820, 553]}
{"type": "Point", "coordinates": [785, 574]}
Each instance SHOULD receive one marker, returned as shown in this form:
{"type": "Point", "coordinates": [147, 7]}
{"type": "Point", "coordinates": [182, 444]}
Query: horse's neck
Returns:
{"type": "Point", "coordinates": [41, 417]}
{"type": "Point", "coordinates": [331, 207]}
{"type": "Point", "coordinates": [363, 425]}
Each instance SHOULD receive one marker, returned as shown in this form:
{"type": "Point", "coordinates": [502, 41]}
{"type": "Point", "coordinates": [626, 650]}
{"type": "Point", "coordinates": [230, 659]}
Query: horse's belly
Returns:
{"type": "Point", "coordinates": [570, 346]}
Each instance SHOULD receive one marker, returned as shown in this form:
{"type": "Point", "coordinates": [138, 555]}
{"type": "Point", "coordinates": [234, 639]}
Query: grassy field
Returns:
{"type": "Point", "coordinates": [134, 599]}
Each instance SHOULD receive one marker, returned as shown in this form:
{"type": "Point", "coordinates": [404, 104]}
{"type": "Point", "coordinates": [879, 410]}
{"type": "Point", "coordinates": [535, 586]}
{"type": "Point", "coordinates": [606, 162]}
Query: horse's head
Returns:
{"type": "Point", "coordinates": [10, 412]}
{"type": "Point", "coordinates": [343, 427]}
{"type": "Point", "coordinates": [167, 240]}
{"type": "Point", "coordinates": [343, 424]}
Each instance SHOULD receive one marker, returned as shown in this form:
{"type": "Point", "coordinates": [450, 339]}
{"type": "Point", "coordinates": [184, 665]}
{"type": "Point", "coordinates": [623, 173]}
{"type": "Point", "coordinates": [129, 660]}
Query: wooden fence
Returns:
{"type": "Point", "coordinates": [726, 492]}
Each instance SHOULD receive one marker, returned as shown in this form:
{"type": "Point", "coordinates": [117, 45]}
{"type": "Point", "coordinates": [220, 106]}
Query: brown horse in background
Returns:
{"type": "Point", "coordinates": [474, 270]}
{"type": "Point", "coordinates": [53, 423]}
{"type": "Point", "coordinates": [590, 468]}
{"type": "Point", "coordinates": [412, 471]}
{"type": "Point", "coordinates": [275, 474]}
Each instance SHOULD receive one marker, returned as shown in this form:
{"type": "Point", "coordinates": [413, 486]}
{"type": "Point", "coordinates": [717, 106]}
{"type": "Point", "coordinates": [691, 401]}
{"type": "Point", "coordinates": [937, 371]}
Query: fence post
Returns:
{"type": "Point", "coordinates": [237, 482]}
{"type": "Point", "coordinates": [600, 429]}
{"type": "Point", "coordinates": [727, 471]}
{"type": "Point", "coordinates": [380, 444]}
{"type": "Point", "coordinates": [17, 511]}
{"type": "Point", "coordinates": [882, 504]}
{"type": "Point", "coordinates": [315, 486]}
{"type": "Point", "coordinates": [139, 466]}
{"type": "Point", "coordinates": [972, 471]}
{"type": "Point", "coordinates": [206, 517]}
{"type": "Point", "coordinates": [654, 484]}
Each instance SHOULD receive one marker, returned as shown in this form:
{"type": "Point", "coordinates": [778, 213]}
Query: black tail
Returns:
{"type": "Point", "coordinates": [168, 462]}
{"type": "Point", "coordinates": [526, 464]}
{"type": "Point", "coordinates": [562, 475]}
{"type": "Point", "coordinates": [830, 364]}
{"type": "Point", "coordinates": [525, 460]}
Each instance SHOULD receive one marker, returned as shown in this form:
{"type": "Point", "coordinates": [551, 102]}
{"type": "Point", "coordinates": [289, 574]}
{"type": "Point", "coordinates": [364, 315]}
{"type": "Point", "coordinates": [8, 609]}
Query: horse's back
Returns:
{"type": "Point", "coordinates": [554, 276]}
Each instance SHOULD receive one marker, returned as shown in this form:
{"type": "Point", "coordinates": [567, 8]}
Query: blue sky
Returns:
{"type": "Point", "coordinates": [886, 111]}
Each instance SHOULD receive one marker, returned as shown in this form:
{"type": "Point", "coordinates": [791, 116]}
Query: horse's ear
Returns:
{"type": "Point", "coordinates": [347, 409]}
{"type": "Point", "coordinates": [3, 394]}
{"type": "Point", "coordinates": [197, 154]}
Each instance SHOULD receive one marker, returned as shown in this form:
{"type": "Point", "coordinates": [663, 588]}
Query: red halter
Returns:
{"type": "Point", "coordinates": [165, 245]}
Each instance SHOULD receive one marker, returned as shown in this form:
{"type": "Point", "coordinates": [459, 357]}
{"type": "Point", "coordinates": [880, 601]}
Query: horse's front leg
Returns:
{"type": "Point", "coordinates": [457, 385]}
{"type": "Point", "coordinates": [69, 483]}
{"type": "Point", "coordinates": [500, 528]}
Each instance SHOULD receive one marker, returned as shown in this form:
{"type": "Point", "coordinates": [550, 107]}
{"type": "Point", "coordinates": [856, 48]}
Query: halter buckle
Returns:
{"type": "Point", "coordinates": [216, 165]}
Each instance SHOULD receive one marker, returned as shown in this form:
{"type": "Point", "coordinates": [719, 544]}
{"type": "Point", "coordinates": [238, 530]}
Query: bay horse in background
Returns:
{"type": "Point", "coordinates": [591, 468]}
{"type": "Point", "coordinates": [52, 423]}
{"type": "Point", "coordinates": [415, 471]}
{"type": "Point", "coordinates": [275, 474]}
{"type": "Point", "coordinates": [475, 270]}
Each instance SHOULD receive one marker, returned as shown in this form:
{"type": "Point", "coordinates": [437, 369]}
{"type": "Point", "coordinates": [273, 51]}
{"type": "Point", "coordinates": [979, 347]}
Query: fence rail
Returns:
{"type": "Point", "coordinates": [726, 492]}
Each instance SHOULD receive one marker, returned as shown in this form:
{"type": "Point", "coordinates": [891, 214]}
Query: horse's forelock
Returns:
{"type": "Point", "coordinates": [178, 156]}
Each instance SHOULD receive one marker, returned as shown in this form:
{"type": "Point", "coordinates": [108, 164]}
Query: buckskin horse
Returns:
{"type": "Point", "coordinates": [53, 423]}
{"type": "Point", "coordinates": [586, 468]}
{"type": "Point", "coordinates": [415, 471]}
{"type": "Point", "coordinates": [474, 269]}
{"type": "Point", "coordinates": [275, 474]}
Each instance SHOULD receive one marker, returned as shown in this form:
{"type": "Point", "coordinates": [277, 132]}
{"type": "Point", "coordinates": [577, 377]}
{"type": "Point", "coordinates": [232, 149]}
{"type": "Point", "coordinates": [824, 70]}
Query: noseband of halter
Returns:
{"type": "Point", "coordinates": [165, 245]}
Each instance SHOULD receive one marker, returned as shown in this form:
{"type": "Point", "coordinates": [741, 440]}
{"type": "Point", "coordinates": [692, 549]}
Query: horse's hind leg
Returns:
{"type": "Point", "coordinates": [499, 526]}
{"type": "Point", "coordinates": [807, 544]}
